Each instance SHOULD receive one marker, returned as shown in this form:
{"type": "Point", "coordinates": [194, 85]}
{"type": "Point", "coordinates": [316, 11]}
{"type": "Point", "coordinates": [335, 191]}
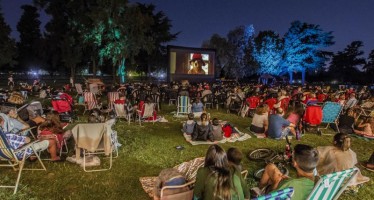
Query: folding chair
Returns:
{"type": "Point", "coordinates": [283, 194]}
{"type": "Point", "coordinates": [94, 88]}
{"type": "Point", "coordinates": [146, 111]}
{"type": "Point", "coordinates": [331, 186]}
{"type": "Point", "coordinates": [173, 95]}
{"type": "Point", "coordinates": [208, 100]}
{"type": "Point", "coordinates": [330, 113]}
{"type": "Point", "coordinates": [156, 100]}
{"type": "Point", "coordinates": [17, 158]}
{"type": "Point", "coordinates": [94, 139]}
{"type": "Point", "coordinates": [183, 105]}
{"type": "Point", "coordinates": [90, 102]}
{"type": "Point", "coordinates": [187, 195]}
{"type": "Point", "coordinates": [79, 89]}
{"type": "Point", "coordinates": [112, 96]}
{"type": "Point", "coordinates": [123, 111]}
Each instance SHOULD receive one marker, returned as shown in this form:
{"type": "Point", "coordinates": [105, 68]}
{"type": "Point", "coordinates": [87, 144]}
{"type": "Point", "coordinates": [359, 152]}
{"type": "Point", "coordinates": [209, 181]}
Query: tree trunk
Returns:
{"type": "Point", "coordinates": [94, 67]}
{"type": "Point", "coordinates": [291, 76]}
{"type": "Point", "coordinates": [303, 77]}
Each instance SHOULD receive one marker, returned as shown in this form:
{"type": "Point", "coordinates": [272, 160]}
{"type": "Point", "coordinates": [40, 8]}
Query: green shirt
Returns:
{"type": "Point", "coordinates": [302, 187]}
{"type": "Point", "coordinates": [205, 185]}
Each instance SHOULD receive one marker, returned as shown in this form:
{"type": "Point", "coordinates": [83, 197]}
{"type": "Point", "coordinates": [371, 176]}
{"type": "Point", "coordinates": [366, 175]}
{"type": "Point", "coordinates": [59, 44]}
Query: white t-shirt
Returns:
{"type": "Point", "coordinates": [258, 120]}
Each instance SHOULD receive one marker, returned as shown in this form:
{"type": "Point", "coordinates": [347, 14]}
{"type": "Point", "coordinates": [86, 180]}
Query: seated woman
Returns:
{"type": "Point", "coordinates": [347, 121]}
{"type": "Point", "coordinates": [339, 157]}
{"type": "Point", "coordinates": [367, 125]}
{"type": "Point", "coordinates": [203, 130]}
{"type": "Point", "coordinates": [147, 108]}
{"type": "Point", "coordinates": [197, 107]}
{"type": "Point", "coordinates": [169, 177]}
{"type": "Point", "coordinates": [260, 120]}
{"type": "Point", "coordinates": [217, 179]}
{"type": "Point", "coordinates": [369, 165]}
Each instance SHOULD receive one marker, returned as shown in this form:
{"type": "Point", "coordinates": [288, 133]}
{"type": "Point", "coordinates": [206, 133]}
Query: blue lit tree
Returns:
{"type": "Point", "coordinates": [303, 45]}
{"type": "Point", "coordinates": [268, 52]}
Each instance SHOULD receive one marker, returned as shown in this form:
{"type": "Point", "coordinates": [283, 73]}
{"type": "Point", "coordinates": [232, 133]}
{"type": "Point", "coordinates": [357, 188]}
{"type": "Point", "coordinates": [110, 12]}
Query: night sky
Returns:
{"type": "Point", "coordinates": [198, 19]}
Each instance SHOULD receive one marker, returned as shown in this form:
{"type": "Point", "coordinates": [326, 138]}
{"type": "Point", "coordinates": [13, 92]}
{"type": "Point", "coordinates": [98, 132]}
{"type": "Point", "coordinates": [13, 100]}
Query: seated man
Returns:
{"type": "Point", "coordinates": [305, 160]}
{"type": "Point", "coordinates": [278, 126]}
{"type": "Point", "coordinates": [11, 124]}
{"type": "Point", "coordinates": [17, 141]}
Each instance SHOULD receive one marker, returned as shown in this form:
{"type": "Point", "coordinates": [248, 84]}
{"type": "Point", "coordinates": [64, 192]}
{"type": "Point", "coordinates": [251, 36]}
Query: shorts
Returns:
{"type": "Point", "coordinates": [41, 145]}
{"type": "Point", "coordinates": [256, 129]}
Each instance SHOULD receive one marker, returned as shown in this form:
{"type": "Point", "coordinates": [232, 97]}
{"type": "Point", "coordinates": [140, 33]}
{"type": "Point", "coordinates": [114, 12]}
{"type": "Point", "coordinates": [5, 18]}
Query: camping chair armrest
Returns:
{"type": "Point", "coordinates": [23, 132]}
{"type": "Point", "coordinates": [189, 185]}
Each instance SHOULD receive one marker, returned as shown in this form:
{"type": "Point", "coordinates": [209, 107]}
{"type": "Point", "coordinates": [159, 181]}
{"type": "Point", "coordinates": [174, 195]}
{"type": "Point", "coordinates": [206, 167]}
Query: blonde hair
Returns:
{"type": "Point", "coordinates": [262, 109]}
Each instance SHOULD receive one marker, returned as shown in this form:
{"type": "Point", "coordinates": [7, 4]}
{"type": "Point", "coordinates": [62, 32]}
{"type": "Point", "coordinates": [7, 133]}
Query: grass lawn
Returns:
{"type": "Point", "coordinates": [146, 151]}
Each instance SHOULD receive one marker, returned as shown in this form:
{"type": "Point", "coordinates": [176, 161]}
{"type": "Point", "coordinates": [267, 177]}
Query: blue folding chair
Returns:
{"type": "Point", "coordinates": [330, 113]}
{"type": "Point", "coordinates": [183, 105]}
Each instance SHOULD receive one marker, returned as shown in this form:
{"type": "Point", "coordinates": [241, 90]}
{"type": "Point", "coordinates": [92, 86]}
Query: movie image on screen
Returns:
{"type": "Point", "coordinates": [184, 61]}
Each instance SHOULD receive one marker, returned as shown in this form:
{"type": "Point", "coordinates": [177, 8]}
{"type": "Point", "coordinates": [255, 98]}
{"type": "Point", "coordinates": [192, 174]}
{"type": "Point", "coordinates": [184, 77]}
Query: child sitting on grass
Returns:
{"type": "Point", "coordinates": [189, 125]}
{"type": "Point", "coordinates": [235, 156]}
{"type": "Point", "coordinates": [217, 130]}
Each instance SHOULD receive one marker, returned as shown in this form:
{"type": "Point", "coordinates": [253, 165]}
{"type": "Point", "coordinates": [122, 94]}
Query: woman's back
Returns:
{"type": "Point", "coordinates": [206, 183]}
{"type": "Point", "coordinates": [258, 120]}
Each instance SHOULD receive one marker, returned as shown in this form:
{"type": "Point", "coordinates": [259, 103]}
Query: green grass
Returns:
{"type": "Point", "coordinates": [146, 151]}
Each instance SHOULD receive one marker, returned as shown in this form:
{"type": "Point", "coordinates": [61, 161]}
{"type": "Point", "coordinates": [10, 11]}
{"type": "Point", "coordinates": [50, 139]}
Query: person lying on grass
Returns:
{"type": "Point", "coordinates": [304, 159]}
{"type": "Point", "coordinates": [367, 125]}
{"type": "Point", "coordinates": [339, 157]}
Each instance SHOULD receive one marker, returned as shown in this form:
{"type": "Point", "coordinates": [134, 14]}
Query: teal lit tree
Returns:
{"type": "Point", "coordinates": [268, 52]}
{"type": "Point", "coordinates": [303, 45]}
{"type": "Point", "coordinates": [118, 32]}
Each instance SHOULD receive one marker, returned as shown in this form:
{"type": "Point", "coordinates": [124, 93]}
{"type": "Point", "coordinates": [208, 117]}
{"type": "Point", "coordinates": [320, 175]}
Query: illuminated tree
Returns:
{"type": "Point", "coordinates": [302, 48]}
{"type": "Point", "coordinates": [268, 52]}
{"type": "Point", "coordinates": [344, 64]}
{"type": "Point", "coordinates": [118, 32]}
{"type": "Point", "coordinates": [30, 37]}
{"type": "Point", "coordinates": [8, 49]}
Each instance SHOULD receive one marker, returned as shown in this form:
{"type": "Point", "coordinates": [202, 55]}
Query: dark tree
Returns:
{"type": "Point", "coordinates": [241, 62]}
{"type": "Point", "coordinates": [8, 50]}
{"type": "Point", "coordinates": [303, 45]}
{"type": "Point", "coordinates": [369, 67]}
{"type": "Point", "coordinates": [222, 48]}
{"type": "Point", "coordinates": [30, 37]}
{"type": "Point", "coordinates": [160, 32]}
{"type": "Point", "coordinates": [344, 64]}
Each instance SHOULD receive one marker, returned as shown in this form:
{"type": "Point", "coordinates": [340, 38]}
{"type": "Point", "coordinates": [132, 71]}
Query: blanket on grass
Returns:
{"type": "Point", "coordinates": [364, 137]}
{"type": "Point", "coordinates": [188, 169]}
{"type": "Point", "coordinates": [245, 136]}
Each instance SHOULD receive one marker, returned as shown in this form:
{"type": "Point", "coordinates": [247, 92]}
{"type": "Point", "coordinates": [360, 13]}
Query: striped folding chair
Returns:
{"type": "Point", "coordinates": [78, 88]}
{"type": "Point", "coordinates": [90, 101]}
{"type": "Point", "coordinates": [183, 105]}
{"type": "Point", "coordinates": [330, 113]}
{"type": "Point", "coordinates": [283, 194]}
{"type": "Point", "coordinates": [16, 158]}
{"type": "Point", "coordinates": [112, 96]}
{"type": "Point", "coordinates": [331, 186]}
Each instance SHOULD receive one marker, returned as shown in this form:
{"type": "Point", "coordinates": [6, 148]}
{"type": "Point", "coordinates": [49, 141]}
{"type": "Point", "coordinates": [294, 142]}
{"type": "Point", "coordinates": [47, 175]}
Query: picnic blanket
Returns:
{"type": "Point", "coordinates": [245, 136]}
{"type": "Point", "coordinates": [188, 169]}
{"type": "Point", "coordinates": [364, 137]}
